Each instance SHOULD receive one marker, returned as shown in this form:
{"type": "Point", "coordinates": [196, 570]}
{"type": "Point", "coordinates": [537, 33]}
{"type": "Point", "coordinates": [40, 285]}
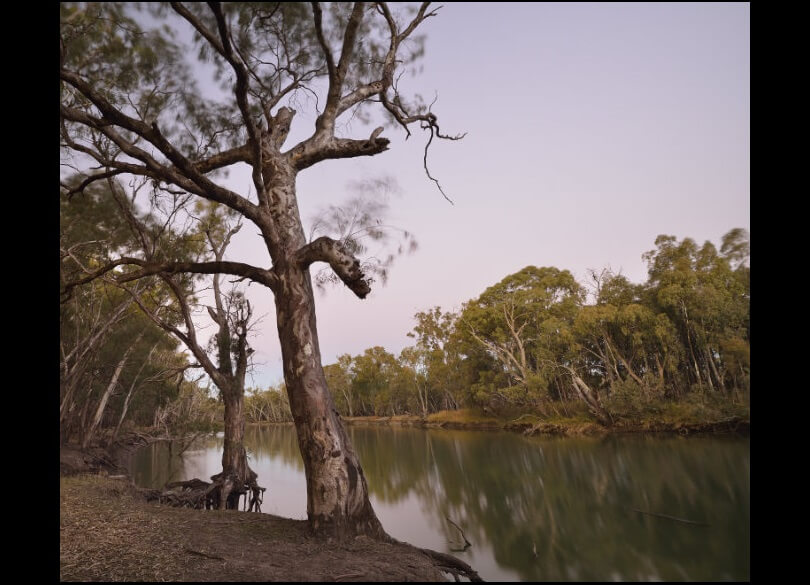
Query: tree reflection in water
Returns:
{"type": "Point", "coordinates": [550, 509]}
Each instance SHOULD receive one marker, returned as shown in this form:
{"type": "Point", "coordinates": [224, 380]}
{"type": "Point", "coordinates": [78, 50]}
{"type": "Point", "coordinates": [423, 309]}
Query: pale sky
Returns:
{"type": "Point", "coordinates": [592, 128]}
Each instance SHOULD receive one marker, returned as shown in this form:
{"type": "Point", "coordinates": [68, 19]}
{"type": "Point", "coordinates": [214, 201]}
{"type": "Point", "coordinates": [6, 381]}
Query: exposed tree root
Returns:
{"type": "Point", "coordinates": [444, 562]}
{"type": "Point", "coordinates": [202, 495]}
{"type": "Point", "coordinates": [452, 565]}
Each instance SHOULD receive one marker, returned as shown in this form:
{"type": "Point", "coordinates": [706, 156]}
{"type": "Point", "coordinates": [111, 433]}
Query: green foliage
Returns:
{"type": "Point", "coordinates": [680, 338]}
{"type": "Point", "coordinates": [102, 331]}
{"type": "Point", "coordinates": [144, 72]}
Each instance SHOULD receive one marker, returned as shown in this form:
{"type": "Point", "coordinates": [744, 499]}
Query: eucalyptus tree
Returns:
{"type": "Point", "coordinates": [706, 293]}
{"type": "Point", "coordinates": [440, 374]}
{"type": "Point", "coordinates": [620, 336]}
{"type": "Point", "coordinates": [131, 106]}
{"type": "Point", "coordinates": [523, 323]}
{"type": "Point", "coordinates": [106, 346]}
{"type": "Point", "coordinates": [174, 229]}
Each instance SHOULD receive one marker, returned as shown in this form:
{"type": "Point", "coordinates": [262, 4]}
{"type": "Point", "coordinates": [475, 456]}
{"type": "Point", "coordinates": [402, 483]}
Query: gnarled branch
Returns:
{"type": "Point", "coordinates": [346, 266]}
{"type": "Point", "coordinates": [307, 155]}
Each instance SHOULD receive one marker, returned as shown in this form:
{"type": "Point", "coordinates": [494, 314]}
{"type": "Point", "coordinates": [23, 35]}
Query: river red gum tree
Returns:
{"type": "Point", "coordinates": [133, 136]}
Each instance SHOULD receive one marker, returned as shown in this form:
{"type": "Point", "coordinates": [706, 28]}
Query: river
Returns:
{"type": "Point", "coordinates": [639, 508]}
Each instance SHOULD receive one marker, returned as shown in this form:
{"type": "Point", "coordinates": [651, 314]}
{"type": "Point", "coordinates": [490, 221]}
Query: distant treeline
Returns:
{"type": "Point", "coordinates": [542, 342]}
{"type": "Point", "coordinates": [536, 342]}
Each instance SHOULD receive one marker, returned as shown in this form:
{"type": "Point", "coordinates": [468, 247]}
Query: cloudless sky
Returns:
{"type": "Point", "coordinates": [591, 129]}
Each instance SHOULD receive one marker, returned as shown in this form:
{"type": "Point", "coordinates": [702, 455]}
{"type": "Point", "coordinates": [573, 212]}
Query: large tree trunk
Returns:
{"type": "Point", "coordinates": [337, 493]}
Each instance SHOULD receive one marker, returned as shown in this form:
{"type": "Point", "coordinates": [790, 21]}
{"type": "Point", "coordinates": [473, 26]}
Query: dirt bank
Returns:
{"type": "Point", "coordinates": [108, 532]}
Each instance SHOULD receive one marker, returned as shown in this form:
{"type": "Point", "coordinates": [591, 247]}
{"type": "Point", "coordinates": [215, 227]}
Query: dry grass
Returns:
{"type": "Point", "coordinates": [108, 533]}
{"type": "Point", "coordinates": [465, 416]}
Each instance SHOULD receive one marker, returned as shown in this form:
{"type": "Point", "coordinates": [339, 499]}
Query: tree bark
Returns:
{"type": "Point", "coordinates": [337, 492]}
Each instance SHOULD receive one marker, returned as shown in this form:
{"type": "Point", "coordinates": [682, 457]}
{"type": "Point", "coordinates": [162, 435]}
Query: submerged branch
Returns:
{"type": "Point", "coordinates": [676, 519]}
{"type": "Point", "coordinates": [467, 543]}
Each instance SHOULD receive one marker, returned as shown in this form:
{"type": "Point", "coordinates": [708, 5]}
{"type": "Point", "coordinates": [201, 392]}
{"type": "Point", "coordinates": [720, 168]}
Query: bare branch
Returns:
{"type": "Point", "coordinates": [89, 180]}
{"type": "Point", "coordinates": [189, 338]}
{"type": "Point", "coordinates": [337, 75]}
{"type": "Point", "coordinates": [320, 146]}
{"type": "Point", "coordinates": [266, 277]}
{"type": "Point", "coordinates": [198, 26]}
{"type": "Point", "coordinates": [241, 90]}
{"type": "Point", "coordinates": [327, 52]}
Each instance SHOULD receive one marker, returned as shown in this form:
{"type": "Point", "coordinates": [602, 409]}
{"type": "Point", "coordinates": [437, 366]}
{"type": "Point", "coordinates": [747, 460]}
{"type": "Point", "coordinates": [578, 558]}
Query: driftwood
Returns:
{"type": "Point", "coordinates": [349, 576]}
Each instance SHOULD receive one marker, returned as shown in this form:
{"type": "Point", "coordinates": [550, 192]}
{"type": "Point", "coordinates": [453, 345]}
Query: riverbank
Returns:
{"type": "Point", "coordinates": [108, 532]}
{"type": "Point", "coordinates": [530, 424]}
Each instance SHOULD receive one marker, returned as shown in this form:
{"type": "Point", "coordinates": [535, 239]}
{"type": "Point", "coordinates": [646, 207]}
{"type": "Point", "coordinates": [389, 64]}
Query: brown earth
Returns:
{"type": "Point", "coordinates": [109, 532]}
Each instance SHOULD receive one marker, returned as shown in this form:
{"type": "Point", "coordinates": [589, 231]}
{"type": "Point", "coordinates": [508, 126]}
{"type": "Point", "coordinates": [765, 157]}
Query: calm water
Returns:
{"type": "Point", "coordinates": [534, 509]}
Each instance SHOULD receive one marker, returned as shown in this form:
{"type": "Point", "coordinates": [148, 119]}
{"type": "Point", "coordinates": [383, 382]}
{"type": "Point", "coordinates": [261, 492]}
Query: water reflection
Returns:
{"type": "Point", "coordinates": [534, 509]}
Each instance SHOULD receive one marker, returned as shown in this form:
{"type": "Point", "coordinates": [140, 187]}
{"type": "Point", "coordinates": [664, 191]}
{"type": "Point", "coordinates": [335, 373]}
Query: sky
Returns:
{"type": "Point", "coordinates": [591, 129]}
